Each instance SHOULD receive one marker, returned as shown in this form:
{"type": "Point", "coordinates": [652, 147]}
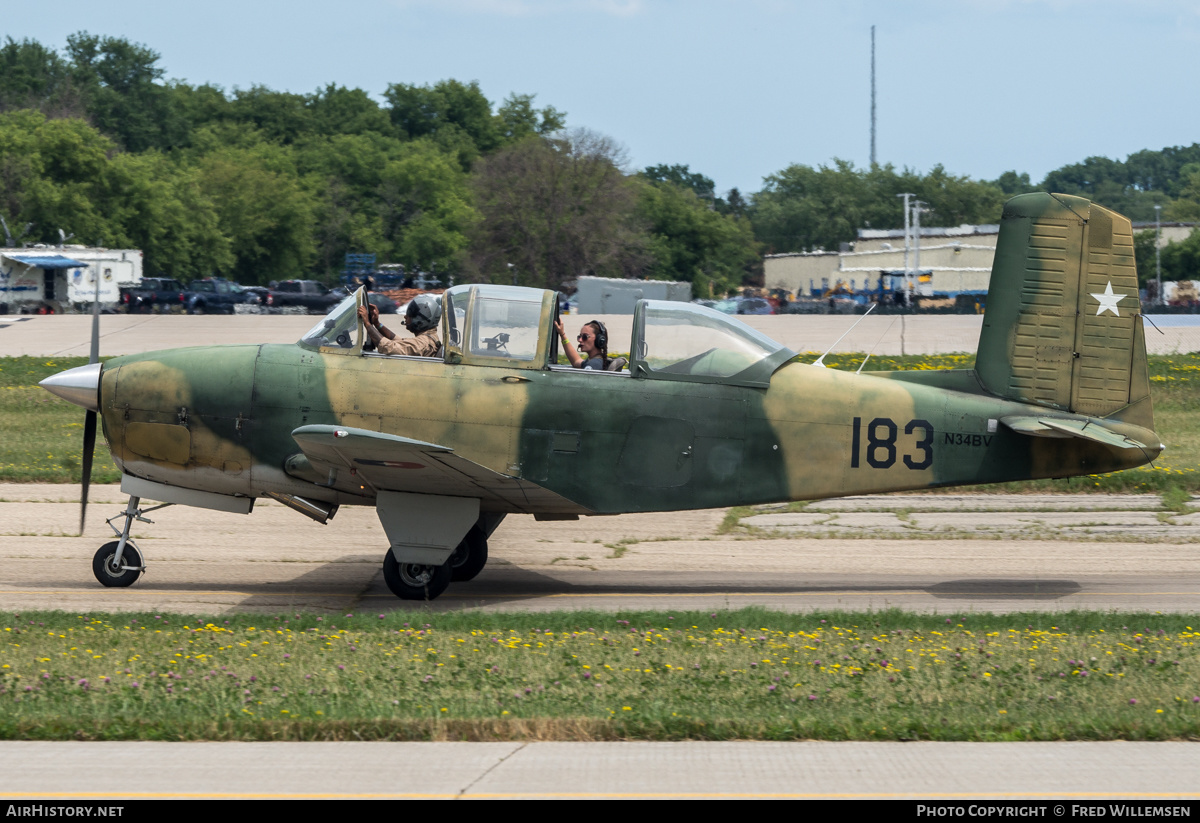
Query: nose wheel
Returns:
{"type": "Point", "coordinates": [114, 574]}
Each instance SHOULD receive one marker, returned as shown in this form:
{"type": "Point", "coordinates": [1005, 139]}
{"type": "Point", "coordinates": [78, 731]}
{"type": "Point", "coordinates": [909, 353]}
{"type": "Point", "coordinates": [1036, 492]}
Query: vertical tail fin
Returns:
{"type": "Point", "coordinates": [1063, 326]}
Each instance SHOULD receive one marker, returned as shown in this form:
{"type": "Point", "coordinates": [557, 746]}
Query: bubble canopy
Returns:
{"type": "Point", "coordinates": [513, 327]}
{"type": "Point", "coordinates": [686, 341]}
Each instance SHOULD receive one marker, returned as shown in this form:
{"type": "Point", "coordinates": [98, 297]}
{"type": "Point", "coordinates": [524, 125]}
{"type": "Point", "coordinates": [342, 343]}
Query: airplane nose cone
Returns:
{"type": "Point", "coordinates": [80, 386]}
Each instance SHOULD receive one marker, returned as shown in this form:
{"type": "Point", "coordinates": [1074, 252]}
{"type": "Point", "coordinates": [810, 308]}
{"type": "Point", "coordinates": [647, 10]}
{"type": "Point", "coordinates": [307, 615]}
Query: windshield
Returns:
{"type": "Point", "coordinates": [338, 329]}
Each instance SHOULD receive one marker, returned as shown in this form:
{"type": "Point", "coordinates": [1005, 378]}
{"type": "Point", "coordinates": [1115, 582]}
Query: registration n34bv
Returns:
{"type": "Point", "coordinates": [710, 413]}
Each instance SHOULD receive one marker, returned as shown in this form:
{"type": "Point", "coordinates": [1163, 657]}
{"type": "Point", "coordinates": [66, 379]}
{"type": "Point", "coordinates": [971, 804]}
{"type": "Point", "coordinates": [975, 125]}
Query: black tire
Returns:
{"type": "Point", "coordinates": [469, 557]}
{"type": "Point", "coordinates": [413, 581]}
{"type": "Point", "coordinates": [102, 568]}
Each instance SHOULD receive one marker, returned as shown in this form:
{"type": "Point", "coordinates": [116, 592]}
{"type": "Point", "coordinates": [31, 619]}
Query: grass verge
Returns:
{"type": "Point", "coordinates": [748, 674]}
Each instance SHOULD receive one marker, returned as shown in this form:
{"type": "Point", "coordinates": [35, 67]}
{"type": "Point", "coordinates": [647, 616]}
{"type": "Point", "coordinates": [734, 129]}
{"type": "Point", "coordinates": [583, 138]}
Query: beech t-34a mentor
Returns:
{"type": "Point", "coordinates": [710, 413]}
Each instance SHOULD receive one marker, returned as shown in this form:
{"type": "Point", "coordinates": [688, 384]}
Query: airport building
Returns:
{"type": "Point", "coordinates": [952, 261]}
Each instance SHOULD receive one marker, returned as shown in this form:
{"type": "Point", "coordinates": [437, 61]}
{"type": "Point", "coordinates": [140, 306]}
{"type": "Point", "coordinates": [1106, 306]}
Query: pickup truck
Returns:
{"type": "Point", "coordinates": [215, 295]}
{"type": "Point", "coordinates": [307, 293]}
{"type": "Point", "coordinates": [153, 294]}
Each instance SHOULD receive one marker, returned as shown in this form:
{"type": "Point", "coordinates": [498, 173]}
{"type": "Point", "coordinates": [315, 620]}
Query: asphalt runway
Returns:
{"type": "Point", "coordinates": [929, 553]}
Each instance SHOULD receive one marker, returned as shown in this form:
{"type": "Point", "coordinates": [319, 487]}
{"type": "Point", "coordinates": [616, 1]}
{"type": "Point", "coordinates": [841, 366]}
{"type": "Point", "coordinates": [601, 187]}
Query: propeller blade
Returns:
{"type": "Point", "coordinates": [89, 418]}
{"type": "Point", "coordinates": [94, 357]}
{"type": "Point", "coordinates": [89, 446]}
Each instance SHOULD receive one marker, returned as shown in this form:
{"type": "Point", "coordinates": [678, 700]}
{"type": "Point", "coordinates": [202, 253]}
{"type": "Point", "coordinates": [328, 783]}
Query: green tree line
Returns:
{"type": "Point", "coordinates": [261, 185]}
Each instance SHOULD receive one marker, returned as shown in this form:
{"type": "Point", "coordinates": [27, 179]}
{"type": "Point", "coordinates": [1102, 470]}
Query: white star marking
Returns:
{"type": "Point", "coordinates": [1108, 300]}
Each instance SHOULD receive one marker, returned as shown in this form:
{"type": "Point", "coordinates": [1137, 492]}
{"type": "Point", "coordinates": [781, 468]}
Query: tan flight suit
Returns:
{"type": "Point", "coordinates": [425, 344]}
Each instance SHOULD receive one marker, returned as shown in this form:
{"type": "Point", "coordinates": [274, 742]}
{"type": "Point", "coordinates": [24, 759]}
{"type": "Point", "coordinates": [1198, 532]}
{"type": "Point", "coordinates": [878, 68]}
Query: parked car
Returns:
{"type": "Point", "coordinates": [153, 294]}
{"type": "Point", "coordinates": [307, 293]}
{"type": "Point", "coordinates": [216, 295]}
{"type": "Point", "coordinates": [754, 305]}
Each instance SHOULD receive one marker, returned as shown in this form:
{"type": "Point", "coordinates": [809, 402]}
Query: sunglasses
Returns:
{"type": "Point", "coordinates": [583, 336]}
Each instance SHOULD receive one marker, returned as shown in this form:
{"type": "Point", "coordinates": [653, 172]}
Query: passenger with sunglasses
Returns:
{"type": "Point", "coordinates": [593, 346]}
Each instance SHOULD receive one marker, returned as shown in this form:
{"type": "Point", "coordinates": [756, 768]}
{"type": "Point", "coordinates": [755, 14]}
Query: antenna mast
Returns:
{"type": "Point", "coordinates": [872, 96]}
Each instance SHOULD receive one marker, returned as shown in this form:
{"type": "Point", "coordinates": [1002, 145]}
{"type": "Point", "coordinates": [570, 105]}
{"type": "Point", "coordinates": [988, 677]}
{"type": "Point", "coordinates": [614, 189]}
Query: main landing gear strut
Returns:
{"type": "Point", "coordinates": [118, 563]}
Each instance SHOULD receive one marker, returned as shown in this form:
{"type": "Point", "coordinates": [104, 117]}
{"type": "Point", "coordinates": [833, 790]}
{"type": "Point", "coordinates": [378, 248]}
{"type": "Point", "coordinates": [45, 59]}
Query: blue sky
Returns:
{"type": "Point", "coordinates": [736, 90]}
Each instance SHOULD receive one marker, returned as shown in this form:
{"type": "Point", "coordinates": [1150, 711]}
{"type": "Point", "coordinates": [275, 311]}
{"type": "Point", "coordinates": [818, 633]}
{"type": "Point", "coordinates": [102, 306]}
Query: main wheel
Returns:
{"type": "Point", "coordinates": [414, 581]}
{"type": "Point", "coordinates": [469, 557]}
{"type": "Point", "coordinates": [117, 578]}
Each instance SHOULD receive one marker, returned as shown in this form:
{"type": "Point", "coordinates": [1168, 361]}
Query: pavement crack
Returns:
{"type": "Point", "coordinates": [466, 789]}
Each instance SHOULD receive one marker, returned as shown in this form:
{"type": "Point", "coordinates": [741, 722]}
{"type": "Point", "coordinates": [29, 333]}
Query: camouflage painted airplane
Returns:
{"type": "Point", "coordinates": [711, 413]}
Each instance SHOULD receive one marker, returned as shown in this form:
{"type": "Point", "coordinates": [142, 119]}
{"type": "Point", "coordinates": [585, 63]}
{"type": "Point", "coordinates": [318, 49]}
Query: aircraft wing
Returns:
{"type": "Point", "coordinates": [1060, 427]}
{"type": "Point", "coordinates": [359, 460]}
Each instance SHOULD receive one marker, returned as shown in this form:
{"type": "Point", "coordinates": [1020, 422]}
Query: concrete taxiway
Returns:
{"type": "Point", "coordinates": [69, 335]}
{"type": "Point", "coordinates": [1164, 773]}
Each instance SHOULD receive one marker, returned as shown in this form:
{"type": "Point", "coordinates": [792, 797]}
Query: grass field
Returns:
{"type": "Point", "coordinates": [748, 674]}
{"type": "Point", "coordinates": [43, 435]}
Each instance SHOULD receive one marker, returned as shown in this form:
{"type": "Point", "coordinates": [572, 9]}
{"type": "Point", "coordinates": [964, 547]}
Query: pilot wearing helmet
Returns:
{"type": "Point", "coordinates": [421, 318]}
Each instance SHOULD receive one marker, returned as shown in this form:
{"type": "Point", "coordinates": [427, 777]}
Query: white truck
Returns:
{"type": "Point", "coordinates": [57, 279]}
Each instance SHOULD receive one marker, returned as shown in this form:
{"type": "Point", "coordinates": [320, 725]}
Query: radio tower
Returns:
{"type": "Point", "coordinates": [872, 96]}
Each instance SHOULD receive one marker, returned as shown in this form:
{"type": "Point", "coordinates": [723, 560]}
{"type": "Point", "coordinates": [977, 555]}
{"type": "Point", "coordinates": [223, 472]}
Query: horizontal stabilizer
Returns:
{"type": "Point", "coordinates": [1085, 429]}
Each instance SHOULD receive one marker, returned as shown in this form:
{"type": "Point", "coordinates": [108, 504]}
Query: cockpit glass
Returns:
{"type": "Point", "coordinates": [684, 338]}
{"type": "Point", "coordinates": [504, 325]}
{"type": "Point", "coordinates": [338, 329]}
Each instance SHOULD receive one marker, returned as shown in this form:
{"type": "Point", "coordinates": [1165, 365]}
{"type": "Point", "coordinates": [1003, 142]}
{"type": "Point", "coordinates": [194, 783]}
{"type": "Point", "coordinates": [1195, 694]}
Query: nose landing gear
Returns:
{"type": "Point", "coordinates": [118, 563]}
